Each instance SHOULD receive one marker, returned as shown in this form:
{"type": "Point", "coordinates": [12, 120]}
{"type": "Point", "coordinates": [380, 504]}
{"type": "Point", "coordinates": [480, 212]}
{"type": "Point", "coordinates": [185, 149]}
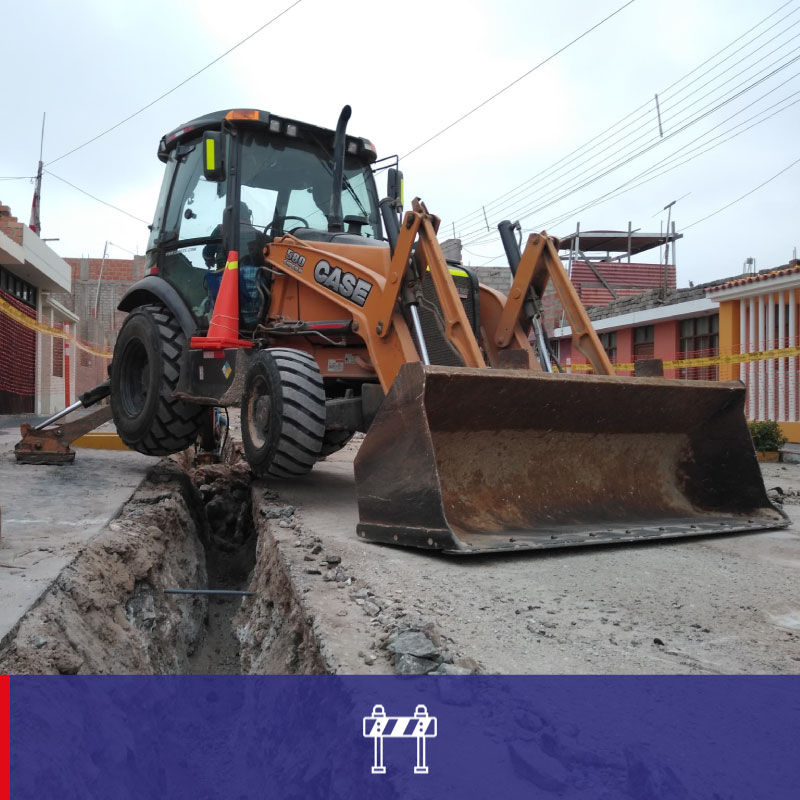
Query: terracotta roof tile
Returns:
{"type": "Point", "coordinates": [762, 276]}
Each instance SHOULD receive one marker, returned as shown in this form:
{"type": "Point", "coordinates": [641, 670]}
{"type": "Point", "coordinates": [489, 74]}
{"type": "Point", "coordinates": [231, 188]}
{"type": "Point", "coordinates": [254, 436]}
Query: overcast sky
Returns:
{"type": "Point", "coordinates": [411, 68]}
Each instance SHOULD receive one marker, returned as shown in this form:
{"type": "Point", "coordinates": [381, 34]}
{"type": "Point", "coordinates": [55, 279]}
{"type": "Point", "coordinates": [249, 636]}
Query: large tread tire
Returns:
{"type": "Point", "coordinates": [144, 373]}
{"type": "Point", "coordinates": [283, 413]}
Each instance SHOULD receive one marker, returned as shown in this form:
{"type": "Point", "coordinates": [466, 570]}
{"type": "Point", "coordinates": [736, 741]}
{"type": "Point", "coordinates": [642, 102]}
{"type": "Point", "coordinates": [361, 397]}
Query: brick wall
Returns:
{"type": "Point", "coordinates": [17, 361]}
{"type": "Point", "coordinates": [9, 225]}
{"type": "Point", "coordinates": [451, 248]}
{"type": "Point", "coordinates": [112, 269]}
{"type": "Point", "coordinates": [494, 277]}
{"type": "Point", "coordinates": [627, 281]}
{"type": "Point", "coordinates": [90, 295]}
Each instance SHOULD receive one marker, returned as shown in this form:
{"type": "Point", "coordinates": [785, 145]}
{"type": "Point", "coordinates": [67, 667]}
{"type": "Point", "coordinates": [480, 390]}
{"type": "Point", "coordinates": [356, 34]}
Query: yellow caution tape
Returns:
{"type": "Point", "coordinates": [23, 319]}
{"type": "Point", "coordinates": [708, 361]}
{"type": "Point", "coordinates": [685, 363]}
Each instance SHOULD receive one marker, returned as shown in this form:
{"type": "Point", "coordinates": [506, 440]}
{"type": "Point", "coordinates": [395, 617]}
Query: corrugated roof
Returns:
{"type": "Point", "coordinates": [614, 241]}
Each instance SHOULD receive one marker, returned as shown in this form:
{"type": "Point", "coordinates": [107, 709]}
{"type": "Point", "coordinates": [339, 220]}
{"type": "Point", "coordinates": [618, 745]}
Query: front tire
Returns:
{"type": "Point", "coordinates": [144, 374]}
{"type": "Point", "coordinates": [283, 413]}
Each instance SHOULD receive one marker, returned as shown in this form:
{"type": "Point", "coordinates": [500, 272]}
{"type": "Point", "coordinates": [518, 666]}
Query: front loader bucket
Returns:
{"type": "Point", "coordinates": [474, 460]}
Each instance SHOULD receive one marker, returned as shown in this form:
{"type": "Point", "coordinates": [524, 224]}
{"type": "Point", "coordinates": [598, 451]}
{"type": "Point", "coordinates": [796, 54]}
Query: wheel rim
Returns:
{"type": "Point", "coordinates": [134, 381]}
{"type": "Point", "coordinates": [259, 407]}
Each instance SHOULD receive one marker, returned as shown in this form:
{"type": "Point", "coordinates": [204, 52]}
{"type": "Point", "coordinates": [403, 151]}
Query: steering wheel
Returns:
{"type": "Point", "coordinates": [272, 224]}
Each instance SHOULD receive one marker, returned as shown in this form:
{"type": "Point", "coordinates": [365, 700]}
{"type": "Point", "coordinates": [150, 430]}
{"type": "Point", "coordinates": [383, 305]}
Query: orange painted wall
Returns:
{"type": "Point", "coordinates": [729, 330]}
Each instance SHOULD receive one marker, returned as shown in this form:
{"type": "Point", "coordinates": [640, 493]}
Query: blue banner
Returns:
{"type": "Point", "coordinates": [588, 738]}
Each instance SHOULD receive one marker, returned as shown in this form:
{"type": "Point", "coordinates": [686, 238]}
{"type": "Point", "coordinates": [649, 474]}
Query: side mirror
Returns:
{"type": "Point", "coordinates": [394, 188]}
{"type": "Point", "coordinates": [214, 157]}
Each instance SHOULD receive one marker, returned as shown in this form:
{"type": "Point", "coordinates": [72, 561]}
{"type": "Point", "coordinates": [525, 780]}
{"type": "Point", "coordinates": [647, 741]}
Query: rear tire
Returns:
{"type": "Point", "coordinates": [283, 413]}
{"type": "Point", "coordinates": [144, 373]}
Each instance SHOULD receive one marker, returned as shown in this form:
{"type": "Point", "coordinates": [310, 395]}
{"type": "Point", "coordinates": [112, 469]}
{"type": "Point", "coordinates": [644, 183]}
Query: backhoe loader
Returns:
{"type": "Point", "coordinates": [277, 281]}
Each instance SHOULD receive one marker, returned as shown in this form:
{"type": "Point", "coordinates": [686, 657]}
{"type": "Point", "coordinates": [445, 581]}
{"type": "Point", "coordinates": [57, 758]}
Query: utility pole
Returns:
{"type": "Point", "coordinates": [658, 112]}
{"type": "Point", "coordinates": [668, 209]}
{"type": "Point", "coordinates": [99, 278]}
{"type": "Point", "coordinates": [35, 223]}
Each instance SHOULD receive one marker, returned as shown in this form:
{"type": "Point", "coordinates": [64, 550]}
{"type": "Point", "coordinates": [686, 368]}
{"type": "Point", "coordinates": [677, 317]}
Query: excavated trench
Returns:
{"type": "Point", "coordinates": [229, 543]}
{"type": "Point", "coordinates": [114, 608]}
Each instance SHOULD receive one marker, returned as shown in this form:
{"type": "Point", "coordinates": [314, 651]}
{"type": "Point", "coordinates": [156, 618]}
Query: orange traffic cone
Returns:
{"type": "Point", "coordinates": [224, 328]}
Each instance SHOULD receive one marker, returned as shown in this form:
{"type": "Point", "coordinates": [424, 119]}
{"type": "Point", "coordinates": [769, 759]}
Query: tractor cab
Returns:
{"type": "Point", "coordinates": [234, 181]}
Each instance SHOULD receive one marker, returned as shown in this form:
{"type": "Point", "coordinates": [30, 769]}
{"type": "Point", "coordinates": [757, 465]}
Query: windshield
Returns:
{"type": "Point", "coordinates": [287, 185]}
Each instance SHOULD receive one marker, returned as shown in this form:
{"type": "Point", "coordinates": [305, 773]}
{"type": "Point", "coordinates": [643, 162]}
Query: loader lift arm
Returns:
{"type": "Point", "coordinates": [516, 459]}
{"type": "Point", "coordinates": [503, 319]}
{"type": "Point", "coordinates": [379, 320]}
{"type": "Point", "coordinates": [538, 264]}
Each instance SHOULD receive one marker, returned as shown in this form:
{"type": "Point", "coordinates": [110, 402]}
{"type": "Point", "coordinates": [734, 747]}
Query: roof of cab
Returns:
{"type": "Point", "coordinates": [257, 117]}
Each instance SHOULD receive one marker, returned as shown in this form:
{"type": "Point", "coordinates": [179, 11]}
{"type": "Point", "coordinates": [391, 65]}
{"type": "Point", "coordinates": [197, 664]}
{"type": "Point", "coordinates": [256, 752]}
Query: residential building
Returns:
{"type": "Point", "coordinates": [759, 314]}
{"type": "Point", "coordinates": [733, 328]}
{"type": "Point", "coordinates": [43, 296]}
{"type": "Point", "coordinates": [35, 370]}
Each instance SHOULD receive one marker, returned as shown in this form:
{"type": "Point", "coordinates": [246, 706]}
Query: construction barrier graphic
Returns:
{"type": "Point", "coordinates": [420, 727]}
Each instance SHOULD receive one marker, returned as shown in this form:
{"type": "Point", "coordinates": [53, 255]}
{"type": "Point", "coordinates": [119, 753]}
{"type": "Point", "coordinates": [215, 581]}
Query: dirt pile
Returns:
{"type": "Point", "coordinates": [273, 626]}
{"type": "Point", "coordinates": [107, 612]}
{"type": "Point", "coordinates": [189, 529]}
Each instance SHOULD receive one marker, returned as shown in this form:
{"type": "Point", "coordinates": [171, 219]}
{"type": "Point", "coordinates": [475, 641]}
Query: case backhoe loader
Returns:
{"type": "Point", "coordinates": [277, 281]}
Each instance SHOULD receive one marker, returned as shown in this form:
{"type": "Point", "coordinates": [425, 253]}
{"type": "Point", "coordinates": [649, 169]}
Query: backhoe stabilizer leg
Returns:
{"type": "Point", "coordinates": [52, 445]}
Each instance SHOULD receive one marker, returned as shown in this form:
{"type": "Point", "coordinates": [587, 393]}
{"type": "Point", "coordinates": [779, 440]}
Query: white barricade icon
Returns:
{"type": "Point", "coordinates": [379, 727]}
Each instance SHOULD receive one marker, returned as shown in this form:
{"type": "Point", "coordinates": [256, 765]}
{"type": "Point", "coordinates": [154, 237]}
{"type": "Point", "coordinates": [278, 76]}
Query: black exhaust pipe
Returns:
{"type": "Point", "coordinates": [390, 221]}
{"type": "Point", "coordinates": [510, 245]}
{"type": "Point", "coordinates": [335, 220]}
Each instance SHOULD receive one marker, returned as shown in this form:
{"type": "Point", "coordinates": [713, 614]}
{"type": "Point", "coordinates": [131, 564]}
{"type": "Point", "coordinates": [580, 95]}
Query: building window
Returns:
{"type": "Point", "coordinates": [700, 339]}
{"type": "Point", "coordinates": [16, 287]}
{"type": "Point", "coordinates": [643, 342]}
{"type": "Point", "coordinates": [609, 342]}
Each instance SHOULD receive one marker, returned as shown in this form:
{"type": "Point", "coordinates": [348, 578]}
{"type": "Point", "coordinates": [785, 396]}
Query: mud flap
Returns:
{"type": "Point", "coordinates": [474, 460]}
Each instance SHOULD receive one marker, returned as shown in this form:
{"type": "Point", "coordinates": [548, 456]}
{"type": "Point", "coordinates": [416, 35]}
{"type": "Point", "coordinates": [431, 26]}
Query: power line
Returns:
{"type": "Point", "coordinates": [540, 195]}
{"type": "Point", "coordinates": [595, 142]}
{"type": "Point", "coordinates": [176, 87]}
{"type": "Point", "coordinates": [631, 184]}
{"type": "Point", "coordinates": [588, 178]}
{"type": "Point", "coordinates": [620, 190]}
{"type": "Point", "coordinates": [517, 80]}
{"type": "Point", "coordinates": [94, 197]}
{"type": "Point", "coordinates": [680, 153]}
{"type": "Point", "coordinates": [124, 249]}
{"type": "Point", "coordinates": [746, 194]}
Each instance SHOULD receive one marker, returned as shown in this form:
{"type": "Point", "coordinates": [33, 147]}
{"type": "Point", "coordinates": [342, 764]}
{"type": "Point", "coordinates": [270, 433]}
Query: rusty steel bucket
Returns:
{"type": "Point", "coordinates": [474, 460]}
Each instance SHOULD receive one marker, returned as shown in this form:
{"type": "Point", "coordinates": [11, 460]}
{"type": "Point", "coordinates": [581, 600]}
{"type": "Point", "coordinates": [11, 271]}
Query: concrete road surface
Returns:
{"type": "Point", "coordinates": [49, 512]}
{"type": "Point", "coordinates": [725, 604]}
